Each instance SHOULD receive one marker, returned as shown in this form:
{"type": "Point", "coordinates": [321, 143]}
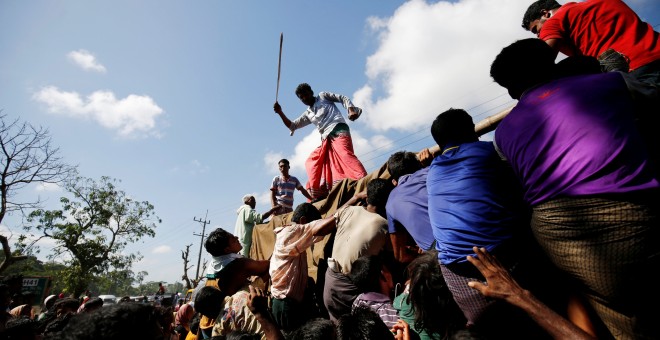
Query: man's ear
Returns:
{"type": "Point", "coordinates": [394, 182]}
{"type": "Point", "coordinates": [302, 220]}
{"type": "Point", "coordinates": [546, 13]}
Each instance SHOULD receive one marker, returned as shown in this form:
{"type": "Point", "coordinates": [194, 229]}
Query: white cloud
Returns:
{"type": "Point", "coordinates": [164, 249]}
{"type": "Point", "coordinates": [263, 201]}
{"type": "Point", "coordinates": [86, 60]}
{"type": "Point", "coordinates": [270, 162]}
{"type": "Point", "coordinates": [5, 231]}
{"type": "Point", "coordinates": [300, 153]}
{"type": "Point", "coordinates": [433, 56]}
{"type": "Point", "coordinates": [196, 167]}
{"type": "Point", "coordinates": [130, 116]}
{"type": "Point", "coordinates": [47, 187]}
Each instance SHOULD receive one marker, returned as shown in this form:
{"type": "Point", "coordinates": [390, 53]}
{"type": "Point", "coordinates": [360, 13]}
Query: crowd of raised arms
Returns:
{"type": "Point", "coordinates": [549, 231]}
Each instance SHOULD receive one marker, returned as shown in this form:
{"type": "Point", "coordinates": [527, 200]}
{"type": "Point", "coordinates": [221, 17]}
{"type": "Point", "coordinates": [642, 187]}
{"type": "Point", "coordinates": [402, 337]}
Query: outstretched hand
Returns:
{"type": "Point", "coordinates": [499, 282]}
{"type": "Point", "coordinates": [257, 301]}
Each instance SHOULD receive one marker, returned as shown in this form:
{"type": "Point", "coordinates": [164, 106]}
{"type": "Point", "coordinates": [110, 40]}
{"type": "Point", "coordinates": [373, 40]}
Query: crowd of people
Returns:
{"type": "Point", "coordinates": [547, 232]}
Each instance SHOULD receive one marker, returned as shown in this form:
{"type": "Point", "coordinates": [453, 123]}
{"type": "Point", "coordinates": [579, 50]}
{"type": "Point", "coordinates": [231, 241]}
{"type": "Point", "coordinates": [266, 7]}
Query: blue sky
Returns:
{"type": "Point", "coordinates": [175, 98]}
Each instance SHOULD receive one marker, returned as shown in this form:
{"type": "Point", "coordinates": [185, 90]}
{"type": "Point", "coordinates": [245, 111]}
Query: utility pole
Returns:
{"type": "Point", "coordinates": [201, 241]}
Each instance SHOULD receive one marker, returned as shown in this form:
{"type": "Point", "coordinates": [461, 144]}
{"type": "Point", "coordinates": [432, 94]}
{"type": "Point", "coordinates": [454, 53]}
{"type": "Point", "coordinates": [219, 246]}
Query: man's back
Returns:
{"type": "Point", "coordinates": [595, 26]}
{"type": "Point", "coordinates": [359, 233]}
{"type": "Point", "coordinates": [407, 207]}
{"type": "Point", "coordinates": [473, 201]}
{"type": "Point", "coordinates": [576, 137]}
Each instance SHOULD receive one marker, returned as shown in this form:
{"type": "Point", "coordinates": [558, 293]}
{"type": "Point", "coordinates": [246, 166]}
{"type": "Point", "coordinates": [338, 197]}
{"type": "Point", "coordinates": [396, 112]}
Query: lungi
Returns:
{"type": "Point", "coordinates": [331, 162]}
{"type": "Point", "coordinates": [611, 246]}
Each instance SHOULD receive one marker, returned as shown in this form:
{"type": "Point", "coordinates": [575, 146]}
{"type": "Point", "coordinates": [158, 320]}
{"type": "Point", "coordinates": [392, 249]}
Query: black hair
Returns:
{"type": "Point", "coordinates": [362, 324]}
{"type": "Point", "coordinates": [453, 126]}
{"type": "Point", "coordinates": [65, 303]}
{"type": "Point", "coordinates": [164, 316]}
{"type": "Point", "coordinates": [378, 190]}
{"type": "Point", "coordinates": [577, 65]}
{"type": "Point", "coordinates": [120, 321]}
{"type": "Point", "coordinates": [283, 160]}
{"type": "Point", "coordinates": [93, 302]}
{"type": "Point", "coordinates": [431, 301]}
{"type": "Point", "coordinates": [194, 322]}
{"type": "Point", "coordinates": [208, 301]}
{"type": "Point", "coordinates": [314, 329]}
{"type": "Point", "coordinates": [303, 87]}
{"type": "Point", "coordinates": [20, 327]}
{"type": "Point", "coordinates": [308, 210]}
{"type": "Point", "coordinates": [534, 11]}
{"type": "Point", "coordinates": [402, 163]}
{"type": "Point", "coordinates": [365, 273]}
{"type": "Point", "coordinates": [54, 326]}
{"type": "Point", "coordinates": [522, 65]}
{"type": "Point", "coordinates": [242, 335]}
{"type": "Point", "coordinates": [217, 241]}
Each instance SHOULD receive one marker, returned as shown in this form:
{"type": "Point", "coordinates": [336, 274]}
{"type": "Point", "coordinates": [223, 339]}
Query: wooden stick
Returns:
{"type": "Point", "coordinates": [279, 67]}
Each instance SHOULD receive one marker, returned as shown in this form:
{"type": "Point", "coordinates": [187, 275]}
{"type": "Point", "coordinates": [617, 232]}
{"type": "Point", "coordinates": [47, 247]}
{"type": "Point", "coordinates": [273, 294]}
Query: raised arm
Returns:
{"type": "Point", "coordinates": [354, 112]}
{"type": "Point", "coordinates": [278, 109]}
{"type": "Point", "coordinates": [258, 305]}
{"type": "Point", "coordinates": [324, 226]}
{"type": "Point", "coordinates": [360, 196]}
{"type": "Point", "coordinates": [501, 285]}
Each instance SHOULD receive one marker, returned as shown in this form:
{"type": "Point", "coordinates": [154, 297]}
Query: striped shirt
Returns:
{"type": "Point", "coordinates": [284, 190]}
{"type": "Point", "coordinates": [380, 304]}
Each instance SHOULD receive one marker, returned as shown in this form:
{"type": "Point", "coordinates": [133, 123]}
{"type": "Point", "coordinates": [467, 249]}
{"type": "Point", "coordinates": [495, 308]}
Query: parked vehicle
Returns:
{"type": "Point", "coordinates": [108, 300]}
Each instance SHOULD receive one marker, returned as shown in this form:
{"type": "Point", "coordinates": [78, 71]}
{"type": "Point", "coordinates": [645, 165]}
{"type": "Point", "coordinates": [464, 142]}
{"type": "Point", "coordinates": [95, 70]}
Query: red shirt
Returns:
{"type": "Point", "coordinates": [594, 26]}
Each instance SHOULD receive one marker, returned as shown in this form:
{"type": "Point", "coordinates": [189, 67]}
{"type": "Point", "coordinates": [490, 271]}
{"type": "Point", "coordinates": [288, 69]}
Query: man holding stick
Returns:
{"type": "Point", "coordinates": [334, 159]}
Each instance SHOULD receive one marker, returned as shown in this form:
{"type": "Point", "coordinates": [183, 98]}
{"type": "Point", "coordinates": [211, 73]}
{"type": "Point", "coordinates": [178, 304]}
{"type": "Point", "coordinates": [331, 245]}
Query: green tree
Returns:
{"type": "Point", "coordinates": [93, 229]}
{"type": "Point", "coordinates": [175, 287]}
{"type": "Point", "coordinates": [27, 156]}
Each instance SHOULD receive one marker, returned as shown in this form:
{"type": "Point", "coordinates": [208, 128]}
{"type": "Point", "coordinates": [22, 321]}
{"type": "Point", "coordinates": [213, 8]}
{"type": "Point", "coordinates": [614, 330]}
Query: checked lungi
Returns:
{"type": "Point", "coordinates": [611, 246]}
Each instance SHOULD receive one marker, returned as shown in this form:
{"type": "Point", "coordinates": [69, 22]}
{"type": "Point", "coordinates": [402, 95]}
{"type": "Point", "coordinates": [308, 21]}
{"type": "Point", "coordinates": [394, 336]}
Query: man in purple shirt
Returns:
{"type": "Point", "coordinates": [585, 171]}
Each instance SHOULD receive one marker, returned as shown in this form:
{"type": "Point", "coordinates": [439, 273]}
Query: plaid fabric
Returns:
{"type": "Point", "coordinates": [471, 302]}
{"type": "Point", "coordinates": [611, 247]}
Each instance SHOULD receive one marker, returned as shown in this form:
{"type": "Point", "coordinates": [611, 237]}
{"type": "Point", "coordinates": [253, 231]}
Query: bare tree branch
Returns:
{"type": "Point", "coordinates": [26, 156]}
{"type": "Point", "coordinates": [9, 258]}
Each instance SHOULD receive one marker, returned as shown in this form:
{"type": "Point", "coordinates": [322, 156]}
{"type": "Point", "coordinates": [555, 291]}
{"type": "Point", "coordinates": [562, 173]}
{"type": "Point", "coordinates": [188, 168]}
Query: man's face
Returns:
{"type": "Point", "coordinates": [307, 97]}
{"type": "Point", "coordinates": [234, 245]}
{"type": "Point", "coordinates": [535, 26]}
{"type": "Point", "coordinates": [284, 168]}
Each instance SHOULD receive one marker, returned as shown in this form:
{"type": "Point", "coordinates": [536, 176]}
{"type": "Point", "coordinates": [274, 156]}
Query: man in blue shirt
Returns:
{"type": "Point", "coordinates": [473, 200]}
{"type": "Point", "coordinates": [407, 207]}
